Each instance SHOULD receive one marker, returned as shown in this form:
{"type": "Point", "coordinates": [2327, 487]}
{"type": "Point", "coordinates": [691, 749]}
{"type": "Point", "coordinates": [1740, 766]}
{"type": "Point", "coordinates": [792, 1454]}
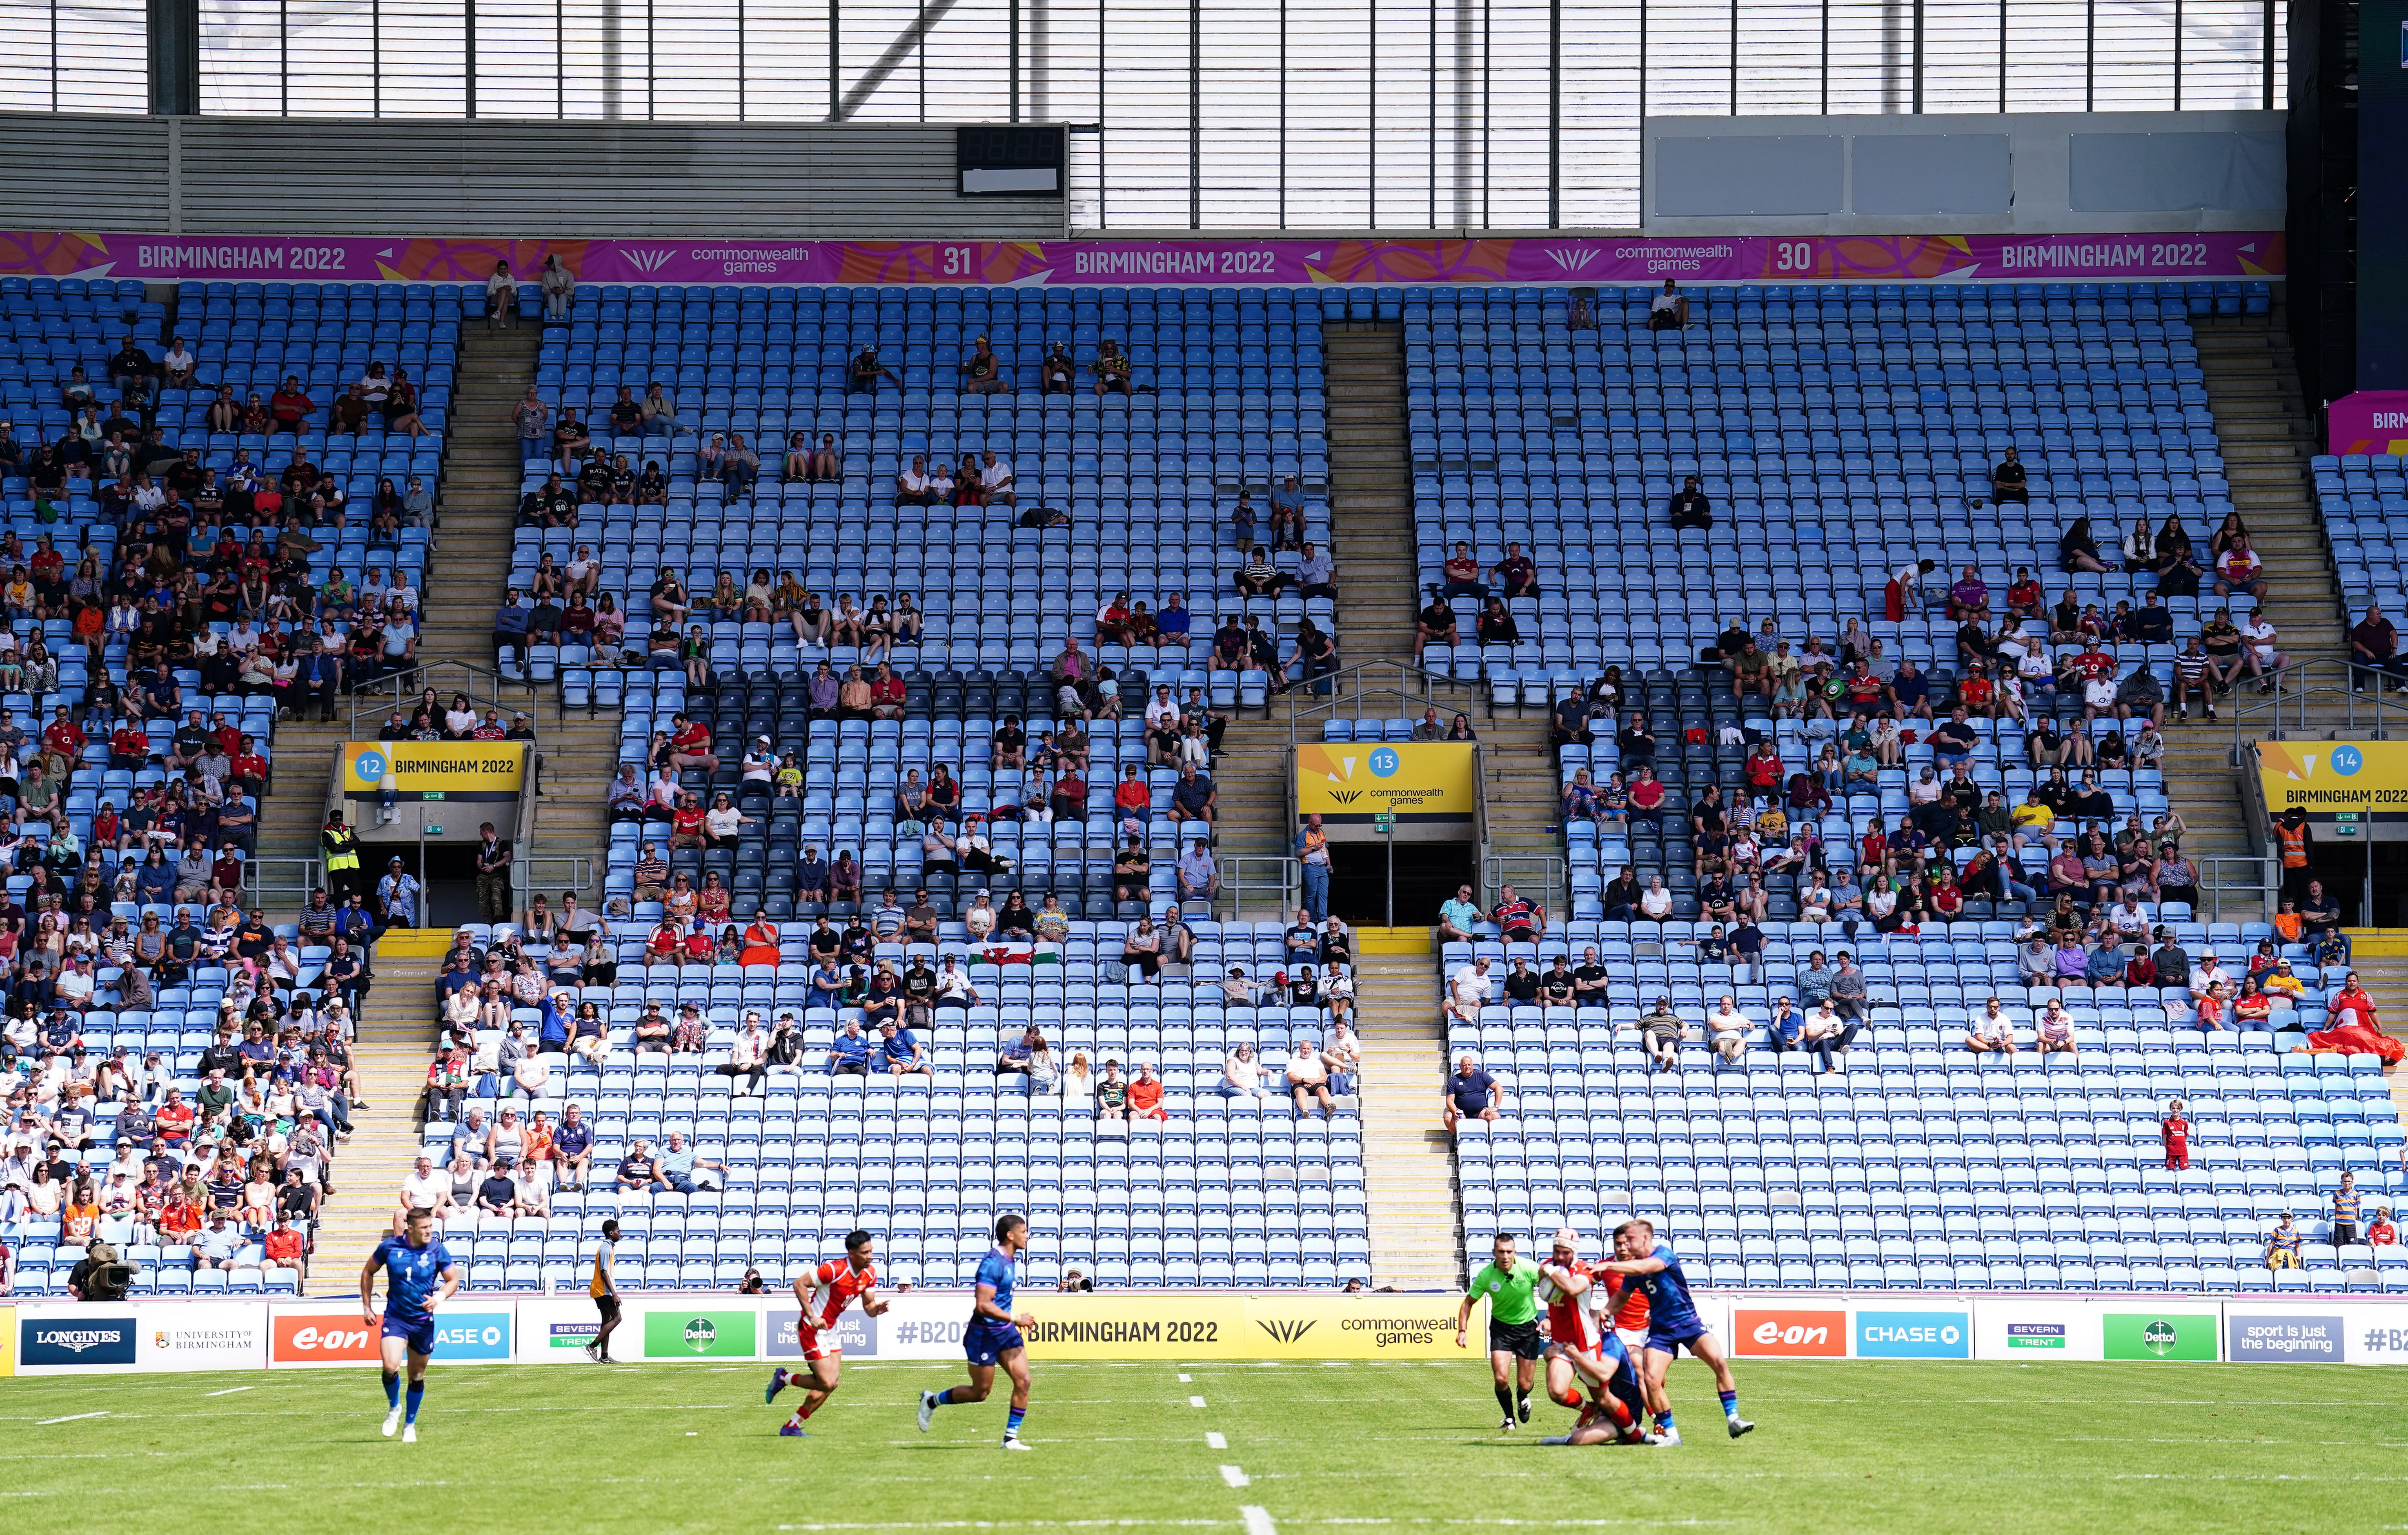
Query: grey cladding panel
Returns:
{"type": "Point", "coordinates": [1928, 174]}
{"type": "Point", "coordinates": [84, 172]}
{"type": "Point", "coordinates": [2164, 173]}
{"type": "Point", "coordinates": [1737, 177]}
{"type": "Point", "coordinates": [522, 179]}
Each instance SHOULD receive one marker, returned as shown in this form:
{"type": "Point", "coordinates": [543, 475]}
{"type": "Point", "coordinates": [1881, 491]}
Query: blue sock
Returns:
{"type": "Point", "coordinates": [1663, 1420]}
{"type": "Point", "coordinates": [417, 1395]}
{"type": "Point", "coordinates": [945, 1397]}
{"type": "Point", "coordinates": [1730, 1403]}
{"type": "Point", "coordinates": [393, 1391]}
{"type": "Point", "coordinates": [1012, 1424]}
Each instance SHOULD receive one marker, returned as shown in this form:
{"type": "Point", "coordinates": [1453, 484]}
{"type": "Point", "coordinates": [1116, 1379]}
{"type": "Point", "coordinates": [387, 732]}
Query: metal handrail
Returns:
{"type": "Point", "coordinates": [1351, 688]}
{"type": "Point", "coordinates": [483, 685]}
{"type": "Point", "coordinates": [527, 876]}
{"type": "Point", "coordinates": [1525, 873]}
{"type": "Point", "coordinates": [2304, 685]}
{"type": "Point", "coordinates": [260, 890]}
{"type": "Point", "coordinates": [2260, 884]}
{"type": "Point", "coordinates": [1251, 881]}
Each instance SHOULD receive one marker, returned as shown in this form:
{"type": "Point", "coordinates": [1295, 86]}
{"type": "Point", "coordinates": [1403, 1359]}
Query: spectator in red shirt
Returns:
{"type": "Point", "coordinates": [284, 1249]}
{"type": "Point", "coordinates": [1463, 574]}
{"type": "Point", "coordinates": [887, 694]}
{"type": "Point", "coordinates": [176, 1118]}
{"type": "Point", "coordinates": [290, 406]}
{"type": "Point", "coordinates": [1133, 800]}
{"type": "Point", "coordinates": [1145, 1093]}
{"type": "Point", "coordinates": [128, 747]}
{"type": "Point", "coordinates": [690, 745]}
{"type": "Point", "coordinates": [249, 767]}
{"type": "Point", "coordinates": [685, 824]}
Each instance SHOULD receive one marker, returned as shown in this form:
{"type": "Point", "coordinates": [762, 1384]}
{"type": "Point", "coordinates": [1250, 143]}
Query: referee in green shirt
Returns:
{"type": "Point", "coordinates": [1506, 1280]}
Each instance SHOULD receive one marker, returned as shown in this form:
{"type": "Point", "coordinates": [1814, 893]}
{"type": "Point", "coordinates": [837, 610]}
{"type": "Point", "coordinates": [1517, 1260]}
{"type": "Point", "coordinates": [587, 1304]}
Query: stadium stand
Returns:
{"type": "Point", "coordinates": [1227, 399]}
{"type": "Point", "coordinates": [1927, 1166]}
{"type": "Point", "coordinates": [214, 559]}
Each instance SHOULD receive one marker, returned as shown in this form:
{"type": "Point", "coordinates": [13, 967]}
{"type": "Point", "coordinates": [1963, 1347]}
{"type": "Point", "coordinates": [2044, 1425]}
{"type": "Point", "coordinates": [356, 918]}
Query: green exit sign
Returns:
{"type": "Point", "coordinates": [2346, 828]}
{"type": "Point", "coordinates": [431, 794]}
{"type": "Point", "coordinates": [1384, 822]}
{"type": "Point", "coordinates": [431, 830]}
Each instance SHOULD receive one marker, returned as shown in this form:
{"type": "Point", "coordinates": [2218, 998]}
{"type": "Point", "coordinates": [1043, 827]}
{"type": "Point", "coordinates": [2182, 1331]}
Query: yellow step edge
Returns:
{"type": "Point", "coordinates": [2377, 942]}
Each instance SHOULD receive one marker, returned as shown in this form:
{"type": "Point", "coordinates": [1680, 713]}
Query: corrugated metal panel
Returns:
{"type": "Point", "coordinates": [84, 172]}
{"type": "Point", "coordinates": [242, 176]}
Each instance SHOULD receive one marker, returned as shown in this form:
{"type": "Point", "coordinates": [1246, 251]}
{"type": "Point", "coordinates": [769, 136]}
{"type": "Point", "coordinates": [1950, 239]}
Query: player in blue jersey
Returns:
{"type": "Point", "coordinates": [1672, 1325]}
{"type": "Point", "coordinates": [419, 1276]}
{"type": "Point", "coordinates": [993, 1336]}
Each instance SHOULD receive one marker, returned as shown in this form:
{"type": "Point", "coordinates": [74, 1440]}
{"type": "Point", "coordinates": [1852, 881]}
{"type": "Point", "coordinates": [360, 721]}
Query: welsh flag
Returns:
{"type": "Point", "coordinates": [1003, 951]}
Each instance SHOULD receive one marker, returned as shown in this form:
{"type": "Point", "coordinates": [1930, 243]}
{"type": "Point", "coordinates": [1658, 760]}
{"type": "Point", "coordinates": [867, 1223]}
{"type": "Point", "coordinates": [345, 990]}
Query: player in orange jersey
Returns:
{"type": "Point", "coordinates": [825, 1293]}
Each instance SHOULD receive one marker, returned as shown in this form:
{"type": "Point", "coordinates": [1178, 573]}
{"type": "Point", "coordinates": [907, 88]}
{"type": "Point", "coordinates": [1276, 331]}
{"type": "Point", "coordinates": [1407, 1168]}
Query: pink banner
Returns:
{"type": "Point", "coordinates": [1906, 258]}
{"type": "Point", "coordinates": [2372, 420]}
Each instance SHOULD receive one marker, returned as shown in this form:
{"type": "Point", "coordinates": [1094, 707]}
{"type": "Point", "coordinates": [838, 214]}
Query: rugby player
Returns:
{"type": "Point", "coordinates": [993, 1337]}
{"type": "Point", "coordinates": [419, 1276]}
{"type": "Point", "coordinates": [1672, 1325]}
{"type": "Point", "coordinates": [825, 1292]}
{"type": "Point", "coordinates": [1580, 1347]}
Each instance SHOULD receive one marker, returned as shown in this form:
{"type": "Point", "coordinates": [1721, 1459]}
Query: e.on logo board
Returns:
{"type": "Point", "coordinates": [330, 1339]}
{"type": "Point", "coordinates": [1789, 1334]}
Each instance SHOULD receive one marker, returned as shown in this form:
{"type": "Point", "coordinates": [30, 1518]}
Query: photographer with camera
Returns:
{"type": "Point", "coordinates": [101, 1276]}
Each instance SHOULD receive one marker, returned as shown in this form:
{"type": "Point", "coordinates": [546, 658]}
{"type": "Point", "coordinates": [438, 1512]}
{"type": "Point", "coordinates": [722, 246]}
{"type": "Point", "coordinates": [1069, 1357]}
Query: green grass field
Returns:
{"type": "Point", "coordinates": [687, 1447]}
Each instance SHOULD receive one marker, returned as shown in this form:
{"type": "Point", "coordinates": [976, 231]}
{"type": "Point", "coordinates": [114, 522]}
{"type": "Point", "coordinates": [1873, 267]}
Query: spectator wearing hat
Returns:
{"type": "Point", "coordinates": [983, 371]}
{"type": "Point", "coordinates": [1660, 1026]}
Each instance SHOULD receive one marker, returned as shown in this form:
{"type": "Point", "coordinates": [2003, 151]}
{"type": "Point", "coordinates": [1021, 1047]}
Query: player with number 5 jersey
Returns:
{"type": "Point", "coordinates": [1673, 1324]}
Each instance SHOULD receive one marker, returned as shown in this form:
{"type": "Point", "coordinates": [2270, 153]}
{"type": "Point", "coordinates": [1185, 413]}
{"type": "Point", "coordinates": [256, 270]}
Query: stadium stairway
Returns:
{"type": "Point", "coordinates": [292, 809]}
{"type": "Point", "coordinates": [396, 1037]}
{"type": "Point", "coordinates": [2267, 439]}
{"type": "Point", "coordinates": [1408, 1165]}
{"type": "Point", "coordinates": [469, 573]}
{"type": "Point", "coordinates": [1370, 491]}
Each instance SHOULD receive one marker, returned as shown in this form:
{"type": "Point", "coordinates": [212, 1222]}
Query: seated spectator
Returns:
{"type": "Point", "coordinates": [1992, 1032]}
{"type": "Point", "coordinates": [1307, 1078]}
{"type": "Point", "coordinates": [863, 373]}
{"type": "Point", "coordinates": [1145, 1093]}
{"type": "Point", "coordinates": [1471, 1094]}
{"type": "Point", "coordinates": [2239, 570]}
{"type": "Point", "coordinates": [983, 371]}
{"type": "Point", "coordinates": [2008, 482]}
{"type": "Point", "coordinates": [1669, 308]}
{"type": "Point", "coordinates": [1690, 506]}
{"type": "Point", "coordinates": [2077, 550]}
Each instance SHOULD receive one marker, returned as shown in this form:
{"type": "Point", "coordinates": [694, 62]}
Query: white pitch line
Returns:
{"type": "Point", "coordinates": [79, 1417]}
{"type": "Point", "coordinates": [1187, 1380]}
{"type": "Point", "coordinates": [1216, 1441]}
{"type": "Point", "coordinates": [1235, 1476]}
{"type": "Point", "coordinates": [227, 1392]}
{"type": "Point", "coordinates": [1259, 1520]}
{"type": "Point", "coordinates": [1192, 1402]}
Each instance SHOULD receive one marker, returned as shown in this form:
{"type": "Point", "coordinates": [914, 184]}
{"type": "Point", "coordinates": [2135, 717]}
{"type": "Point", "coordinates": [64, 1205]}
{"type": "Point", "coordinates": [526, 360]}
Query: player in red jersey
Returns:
{"type": "Point", "coordinates": [825, 1293]}
{"type": "Point", "coordinates": [1580, 1347]}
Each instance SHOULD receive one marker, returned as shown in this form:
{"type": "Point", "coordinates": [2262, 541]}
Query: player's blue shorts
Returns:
{"type": "Point", "coordinates": [985, 1343]}
{"type": "Point", "coordinates": [1673, 1343]}
{"type": "Point", "coordinates": [420, 1333]}
{"type": "Point", "coordinates": [1622, 1376]}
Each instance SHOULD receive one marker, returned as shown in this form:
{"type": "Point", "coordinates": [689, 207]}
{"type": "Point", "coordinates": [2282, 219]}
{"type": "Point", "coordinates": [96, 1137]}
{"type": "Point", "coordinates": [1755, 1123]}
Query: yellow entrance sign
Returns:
{"type": "Point", "coordinates": [1424, 781]}
{"type": "Point", "coordinates": [2366, 780]}
{"type": "Point", "coordinates": [453, 769]}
